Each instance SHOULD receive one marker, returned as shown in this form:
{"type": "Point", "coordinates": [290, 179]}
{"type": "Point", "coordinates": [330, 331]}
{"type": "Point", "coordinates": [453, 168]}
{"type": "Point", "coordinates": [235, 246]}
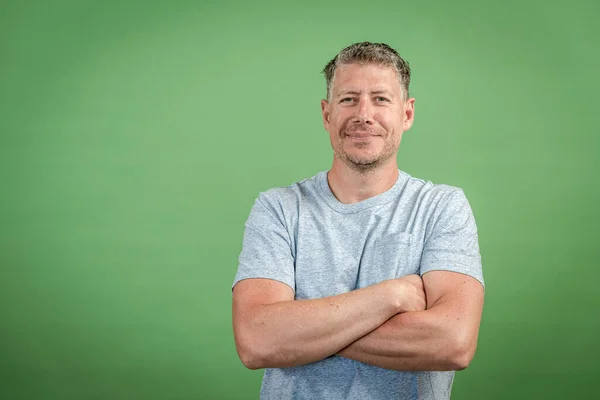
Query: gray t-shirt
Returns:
{"type": "Point", "coordinates": [303, 236]}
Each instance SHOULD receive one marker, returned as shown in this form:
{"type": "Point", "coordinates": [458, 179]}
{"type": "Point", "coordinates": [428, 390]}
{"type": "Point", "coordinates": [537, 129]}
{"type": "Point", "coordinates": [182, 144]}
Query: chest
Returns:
{"type": "Point", "coordinates": [339, 253]}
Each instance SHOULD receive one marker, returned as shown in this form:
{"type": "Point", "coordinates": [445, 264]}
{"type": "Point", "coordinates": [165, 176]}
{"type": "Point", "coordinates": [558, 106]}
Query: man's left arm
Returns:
{"type": "Point", "coordinates": [444, 335]}
{"type": "Point", "coordinates": [441, 338]}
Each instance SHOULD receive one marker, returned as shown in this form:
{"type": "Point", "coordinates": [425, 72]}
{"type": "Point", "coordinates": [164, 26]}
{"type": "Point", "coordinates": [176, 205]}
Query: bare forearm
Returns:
{"type": "Point", "coordinates": [415, 341]}
{"type": "Point", "coordinates": [297, 332]}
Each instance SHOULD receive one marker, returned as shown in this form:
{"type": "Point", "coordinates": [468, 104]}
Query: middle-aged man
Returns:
{"type": "Point", "coordinates": [361, 282]}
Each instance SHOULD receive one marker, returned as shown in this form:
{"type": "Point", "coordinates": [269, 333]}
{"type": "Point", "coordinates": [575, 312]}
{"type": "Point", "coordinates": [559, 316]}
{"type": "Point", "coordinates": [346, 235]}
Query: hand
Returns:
{"type": "Point", "coordinates": [410, 293]}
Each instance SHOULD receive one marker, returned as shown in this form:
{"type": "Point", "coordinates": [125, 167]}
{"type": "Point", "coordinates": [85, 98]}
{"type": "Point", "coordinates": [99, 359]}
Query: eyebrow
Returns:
{"type": "Point", "coordinates": [354, 92]}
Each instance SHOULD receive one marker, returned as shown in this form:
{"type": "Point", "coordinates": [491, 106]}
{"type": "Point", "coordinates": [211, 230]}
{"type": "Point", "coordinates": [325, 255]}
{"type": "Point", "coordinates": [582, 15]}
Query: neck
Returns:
{"type": "Point", "coordinates": [350, 186]}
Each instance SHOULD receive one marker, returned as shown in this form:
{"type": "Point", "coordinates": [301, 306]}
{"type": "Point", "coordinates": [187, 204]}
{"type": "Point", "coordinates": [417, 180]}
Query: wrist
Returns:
{"type": "Point", "coordinates": [393, 295]}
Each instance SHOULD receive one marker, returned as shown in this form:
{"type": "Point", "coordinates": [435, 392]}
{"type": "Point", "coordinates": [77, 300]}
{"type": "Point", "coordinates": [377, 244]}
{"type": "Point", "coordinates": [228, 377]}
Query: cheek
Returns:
{"type": "Point", "coordinates": [335, 124]}
{"type": "Point", "coordinates": [391, 123]}
{"type": "Point", "coordinates": [342, 120]}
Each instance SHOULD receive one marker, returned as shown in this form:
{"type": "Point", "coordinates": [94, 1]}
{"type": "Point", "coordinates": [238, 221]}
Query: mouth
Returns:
{"type": "Point", "coordinates": [361, 139]}
{"type": "Point", "coordinates": [360, 136]}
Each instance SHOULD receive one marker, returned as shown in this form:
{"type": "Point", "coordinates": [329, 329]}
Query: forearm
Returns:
{"type": "Point", "coordinates": [416, 341]}
{"type": "Point", "coordinates": [290, 333]}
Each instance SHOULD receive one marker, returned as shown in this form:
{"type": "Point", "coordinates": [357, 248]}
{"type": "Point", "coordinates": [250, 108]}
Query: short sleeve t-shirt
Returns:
{"type": "Point", "coordinates": [302, 236]}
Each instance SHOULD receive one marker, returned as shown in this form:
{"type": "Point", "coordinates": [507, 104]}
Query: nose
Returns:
{"type": "Point", "coordinates": [364, 112]}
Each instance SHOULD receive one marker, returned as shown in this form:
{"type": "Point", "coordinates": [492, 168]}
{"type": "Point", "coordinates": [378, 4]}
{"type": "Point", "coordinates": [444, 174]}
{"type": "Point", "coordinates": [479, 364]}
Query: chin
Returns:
{"type": "Point", "coordinates": [363, 158]}
{"type": "Point", "coordinates": [363, 161]}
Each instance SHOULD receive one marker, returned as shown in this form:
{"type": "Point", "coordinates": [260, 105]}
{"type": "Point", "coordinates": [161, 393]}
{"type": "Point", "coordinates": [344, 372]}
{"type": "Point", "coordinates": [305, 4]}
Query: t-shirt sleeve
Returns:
{"type": "Point", "coordinates": [453, 244]}
{"type": "Point", "coordinates": [266, 248]}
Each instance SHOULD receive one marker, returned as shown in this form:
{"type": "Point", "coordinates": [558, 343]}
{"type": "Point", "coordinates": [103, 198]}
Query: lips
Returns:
{"type": "Point", "coordinates": [360, 135]}
{"type": "Point", "coordinates": [361, 131]}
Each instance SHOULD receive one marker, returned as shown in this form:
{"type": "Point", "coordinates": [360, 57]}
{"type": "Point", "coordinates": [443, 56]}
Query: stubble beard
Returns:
{"type": "Point", "coordinates": [364, 163]}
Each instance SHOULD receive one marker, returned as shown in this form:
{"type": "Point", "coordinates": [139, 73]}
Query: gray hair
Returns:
{"type": "Point", "coordinates": [369, 53]}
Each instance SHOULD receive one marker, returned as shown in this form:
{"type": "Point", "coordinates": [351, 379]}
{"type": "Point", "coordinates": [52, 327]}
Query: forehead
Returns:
{"type": "Point", "coordinates": [358, 77]}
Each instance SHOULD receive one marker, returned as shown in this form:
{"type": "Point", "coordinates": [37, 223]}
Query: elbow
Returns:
{"type": "Point", "coordinates": [460, 362]}
{"type": "Point", "coordinates": [250, 360]}
{"type": "Point", "coordinates": [462, 354]}
{"type": "Point", "coordinates": [250, 354]}
{"type": "Point", "coordinates": [253, 350]}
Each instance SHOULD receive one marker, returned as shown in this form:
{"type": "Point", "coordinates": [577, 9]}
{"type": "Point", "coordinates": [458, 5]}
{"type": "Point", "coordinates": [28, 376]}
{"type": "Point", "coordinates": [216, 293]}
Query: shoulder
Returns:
{"type": "Point", "coordinates": [286, 200]}
{"type": "Point", "coordinates": [435, 194]}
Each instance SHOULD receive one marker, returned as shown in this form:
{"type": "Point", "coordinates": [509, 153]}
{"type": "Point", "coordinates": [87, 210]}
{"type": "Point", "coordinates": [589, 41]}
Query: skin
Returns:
{"type": "Point", "coordinates": [407, 324]}
{"type": "Point", "coordinates": [273, 330]}
{"type": "Point", "coordinates": [365, 117]}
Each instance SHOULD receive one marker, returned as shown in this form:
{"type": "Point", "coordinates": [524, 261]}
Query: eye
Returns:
{"type": "Point", "coordinates": [381, 99]}
{"type": "Point", "coordinates": [347, 100]}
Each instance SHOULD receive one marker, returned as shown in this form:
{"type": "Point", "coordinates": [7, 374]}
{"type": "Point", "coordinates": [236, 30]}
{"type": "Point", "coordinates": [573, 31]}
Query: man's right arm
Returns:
{"type": "Point", "coordinates": [272, 330]}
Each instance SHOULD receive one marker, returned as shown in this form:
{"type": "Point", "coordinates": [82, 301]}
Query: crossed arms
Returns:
{"type": "Point", "coordinates": [405, 324]}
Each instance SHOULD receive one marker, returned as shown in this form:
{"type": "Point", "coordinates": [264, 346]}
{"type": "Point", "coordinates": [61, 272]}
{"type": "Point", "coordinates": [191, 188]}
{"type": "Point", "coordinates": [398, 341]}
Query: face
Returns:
{"type": "Point", "coordinates": [366, 115]}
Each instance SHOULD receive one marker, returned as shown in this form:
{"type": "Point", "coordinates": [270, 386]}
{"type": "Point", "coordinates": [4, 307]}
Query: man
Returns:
{"type": "Point", "coordinates": [361, 282]}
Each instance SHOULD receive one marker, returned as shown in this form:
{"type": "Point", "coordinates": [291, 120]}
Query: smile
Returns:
{"type": "Point", "coordinates": [360, 137]}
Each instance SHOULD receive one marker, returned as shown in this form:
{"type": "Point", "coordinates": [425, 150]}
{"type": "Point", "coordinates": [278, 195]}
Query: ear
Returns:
{"type": "Point", "coordinates": [325, 111]}
{"type": "Point", "coordinates": [409, 113]}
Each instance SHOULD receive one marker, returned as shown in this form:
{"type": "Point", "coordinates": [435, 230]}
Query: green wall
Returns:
{"type": "Point", "coordinates": [135, 136]}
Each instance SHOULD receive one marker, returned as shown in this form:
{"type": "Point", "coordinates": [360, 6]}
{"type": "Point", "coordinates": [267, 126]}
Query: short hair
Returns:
{"type": "Point", "coordinates": [369, 53]}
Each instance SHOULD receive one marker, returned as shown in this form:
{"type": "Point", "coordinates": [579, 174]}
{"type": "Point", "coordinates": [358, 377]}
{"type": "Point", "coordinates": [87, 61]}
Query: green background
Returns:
{"type": "Point", "coordinates": [135, 137]}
